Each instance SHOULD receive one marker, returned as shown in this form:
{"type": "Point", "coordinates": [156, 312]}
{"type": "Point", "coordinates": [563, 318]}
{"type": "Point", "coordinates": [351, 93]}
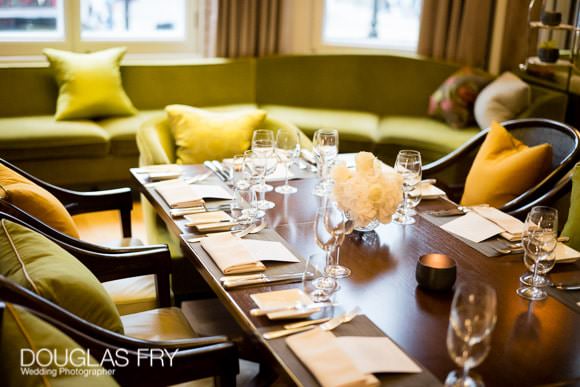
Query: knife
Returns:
{"type": "Point", "coordinates": [258, 281]}
{"type": "Point", "coordinates": [244, 277]}
{"type": "Point", "coordinates": [566, 286]}
{"type": "Point", "coordinates": [298, 308]}
{"type": "Point", "coordinates": [220, 168]}
{"type": "Point", "coordinates": [208, 164]}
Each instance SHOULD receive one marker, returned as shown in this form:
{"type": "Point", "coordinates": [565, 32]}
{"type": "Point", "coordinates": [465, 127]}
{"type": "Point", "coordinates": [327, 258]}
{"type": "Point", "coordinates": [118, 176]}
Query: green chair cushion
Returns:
{"type": "Point", "coordinates": [352, 125]}
{"type": "Point", "coordinates": [41, 137]}
{"type": "Point", "coordinates": [21, 330]}
{"type": "Point", "coordinates": [41, 266]}
{"type": "Point", "coordinates": [572, 226]}
{"type": "Point", "coordinates": [122, 131]}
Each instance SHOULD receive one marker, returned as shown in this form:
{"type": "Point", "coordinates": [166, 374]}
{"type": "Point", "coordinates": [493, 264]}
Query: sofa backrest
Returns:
{"type": "Point", "coordinates": [378, 84]}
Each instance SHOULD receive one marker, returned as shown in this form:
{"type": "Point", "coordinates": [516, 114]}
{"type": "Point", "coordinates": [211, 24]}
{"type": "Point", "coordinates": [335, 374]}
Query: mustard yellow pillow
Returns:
{"type": "Point", "coordinates": [36, 201]}
{"type": "Point", "coordinates": [504, 168]}
{"type": "Point", "coordinates": [203, 135]}
{"type": "Point", "coordinates": [89, 84]}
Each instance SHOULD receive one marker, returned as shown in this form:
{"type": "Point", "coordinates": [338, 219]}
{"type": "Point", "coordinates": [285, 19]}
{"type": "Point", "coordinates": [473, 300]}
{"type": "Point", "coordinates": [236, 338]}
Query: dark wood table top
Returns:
{"type": "Point", "coordinates": [534, 343]}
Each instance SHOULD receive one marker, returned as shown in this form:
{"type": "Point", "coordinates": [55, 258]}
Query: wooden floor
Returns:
{"type": "Point", "coordinates": [105, 227]}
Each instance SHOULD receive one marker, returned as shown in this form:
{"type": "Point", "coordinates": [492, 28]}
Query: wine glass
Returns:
{"type": "Point", "coordinates": [339, 225]}
{"type": "Point", "coordinates": [287, 149]}
{"type": "Point", "coordinates": [539, 241]}
{"type": "Point", "coordinates": [413, 200]}
{"type": "Point", "coordinates": [408, 165]}
{"type": "Point", "coordinates": [263, 147]}
{"type": "Point", "coordinates": [326, 240]}
{"type": "Point", "coordinates": [528, 277]}
{"type": "Point", "coordinates": [252, 171]}
{"type": "Point", "coordinates": [325, 142]}
{"type": "Point", "coordinates": [471, 321]}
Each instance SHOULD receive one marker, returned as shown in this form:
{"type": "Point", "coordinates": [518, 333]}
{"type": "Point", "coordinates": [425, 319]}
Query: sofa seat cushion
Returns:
{"type": "Point", "coordinates": [158, 324]}
{"type": "Point", "coordinates": [353, 126]}
{"type": "Point", "coordinates": [422, 133]}
{"type": "Point", "coordinates": [122, 131]}
{"type": "Point", "coordinates": [134, 294]}
{"type": "Point", "coordinates": [41, 137]}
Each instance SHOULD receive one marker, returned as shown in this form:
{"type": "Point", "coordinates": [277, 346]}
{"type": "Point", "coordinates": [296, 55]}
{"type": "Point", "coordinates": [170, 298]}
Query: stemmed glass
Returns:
{"type": "Point", "coordinates": [287, 150]}
{"type": "Point", "coordinates": [408, 165]}
{"type": "Point", "coordinates": [339, 225]}
{"type": "Point", "coordinates": [539, 241]}
{"type": "Point", "coordinates": [265, 162]}
{"type": "Point", "coordinates": [326, 240]}
{"type": "Point", "coordinates": [252, 171]}
{"type": "Point", "coordinates": [471, 321]}
{"type": "Point", "coordinates": [325, 143]}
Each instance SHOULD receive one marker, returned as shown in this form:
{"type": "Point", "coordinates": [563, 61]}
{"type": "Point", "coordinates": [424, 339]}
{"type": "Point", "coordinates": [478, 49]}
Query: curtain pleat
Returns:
{"type": "Point", "coordinates": [248, 27]}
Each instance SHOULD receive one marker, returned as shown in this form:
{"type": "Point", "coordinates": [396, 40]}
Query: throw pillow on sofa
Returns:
{"type": "Point", "coordinates": [502, 100]}
{"type": "Point", "coordinates": [453, 101]}
{"type": "Point", "coordinates": [204, 135]}
{"type": "Point", "coordinates": [36, 201]}
{"type": "Point", "coordinates": [41, 266]}
{"type": "Point", "coordinates": [504, 168]}
{"type": "Point", "coordinates": [89, 84]}
{"type": "Point", "coordinates": [572, 226]}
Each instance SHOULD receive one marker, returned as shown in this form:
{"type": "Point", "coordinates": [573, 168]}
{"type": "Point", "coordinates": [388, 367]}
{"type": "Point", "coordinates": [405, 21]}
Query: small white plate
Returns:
{"type": "Point", "coordinates": [282, 299]}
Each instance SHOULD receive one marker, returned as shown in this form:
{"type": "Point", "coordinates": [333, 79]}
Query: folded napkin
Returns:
{"type": "Point", "coordinates": [429, 191]}
{"type": "Point", "coordinates": [566, 254]}
{"type": "Point", "coordinates": [507, 222]}
{"type": "Point", "coordinates": [473, 227]}
{"type": "Point", "coordinates": [183, 195]}
{"type": "Point", "coordinates": [328, 362]}
{"type": "Point", "coordinates": [282, 299]}
{"type": "Point", "coordinates": [207, 217]}
{"type": "Point", "coordinates": [234, 255]}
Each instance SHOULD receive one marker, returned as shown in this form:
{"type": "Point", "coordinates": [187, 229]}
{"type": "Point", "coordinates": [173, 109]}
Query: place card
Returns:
{"type": "Point", "coordinates": [473, 227]}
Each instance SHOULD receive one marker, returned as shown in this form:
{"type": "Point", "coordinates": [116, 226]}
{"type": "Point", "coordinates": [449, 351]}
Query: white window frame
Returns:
{"type": "Point", "coordinates": [30, 48]}
{"type": "Point", "coordinates": [321, 46]}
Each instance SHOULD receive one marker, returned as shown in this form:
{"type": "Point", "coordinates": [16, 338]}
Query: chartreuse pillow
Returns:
{"type": "Point", "coordinates": [504, 168]}
{"type": "Point", "coordinates": [89, 84]}
{"type": "Point", "coordinates": [38, 264]}
{"type": "Point", "coordinates": [572, 226]}
{"type": "Point", "coordinates": [203, 135]}
{"type": "Point", "coordinates": [22, 332]}
{"type": "Point", "coordinates": [35, 200]}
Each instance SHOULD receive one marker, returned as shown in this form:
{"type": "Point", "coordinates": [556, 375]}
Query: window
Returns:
{"type": "Point", "coordinates": [144, 26]}
{"type": "Point", "coordinates": [371, 23]}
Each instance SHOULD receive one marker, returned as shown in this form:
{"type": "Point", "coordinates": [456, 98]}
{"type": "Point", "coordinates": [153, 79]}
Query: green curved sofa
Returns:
{"type": "Point", "coordinates": [378, 103]}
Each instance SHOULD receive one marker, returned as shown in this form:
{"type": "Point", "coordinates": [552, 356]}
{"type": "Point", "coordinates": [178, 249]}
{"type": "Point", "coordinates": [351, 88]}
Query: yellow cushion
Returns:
{"type": "Point", "coordinates": [36, 201]}
{"type": "Point", "coordinates": [203, 135]}
{"type": "Point", "coordinates": [504, 168]}
{"type": "Point", "coordinates": [89, 84]}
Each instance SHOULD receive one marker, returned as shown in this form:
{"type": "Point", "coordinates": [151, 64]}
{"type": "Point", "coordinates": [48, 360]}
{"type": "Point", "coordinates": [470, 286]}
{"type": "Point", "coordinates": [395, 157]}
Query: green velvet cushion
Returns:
{"type": "Point", "coordinates": [453, 101]}
{"type": "Point", "coordinates": [122, 131]}
{"type": "Point", "coordinates": [572, 227]}
{"type": "Point", "coordinates": [21, 330]}
{"type": "Point", "coordinates": [41, 137]}
{"type": "Point", "coordinates": [89, 84]}
{"type": "Point", "coordinates": [352, 125]}
{"type": "Point", "coordinates": [40, 265]}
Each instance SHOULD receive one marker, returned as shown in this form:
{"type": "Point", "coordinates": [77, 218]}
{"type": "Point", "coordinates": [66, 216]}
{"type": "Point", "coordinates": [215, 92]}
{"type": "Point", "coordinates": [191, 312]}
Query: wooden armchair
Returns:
{"type": "Point", "coordinates": [195, 358]}
{"type": "Point", "coordinates": [451, 170]}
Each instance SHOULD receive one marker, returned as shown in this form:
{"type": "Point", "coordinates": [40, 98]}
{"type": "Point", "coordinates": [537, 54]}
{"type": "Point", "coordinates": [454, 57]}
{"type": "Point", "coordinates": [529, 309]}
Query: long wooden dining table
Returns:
{"type": "Point", "coordinates": [534, 343]}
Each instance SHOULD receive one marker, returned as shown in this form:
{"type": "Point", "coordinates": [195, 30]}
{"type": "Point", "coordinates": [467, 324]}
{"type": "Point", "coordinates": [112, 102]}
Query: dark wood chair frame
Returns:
{"type": "Point", "coordinates": [196, 358]}
{"type": "Point", "coordinates": [465, 154]}
{"type": "Point", "coordinates": [81, 202]}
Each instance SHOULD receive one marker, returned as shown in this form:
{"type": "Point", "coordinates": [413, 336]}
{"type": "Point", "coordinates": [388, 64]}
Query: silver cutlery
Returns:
{"type": "Point", "coordinates": [244, 277]}
{"type": "Point", "coordinates": [221, 169]}
{"type": "Point", "coordinates": [566, 286]}
{"type": "Point", "coordinates": [253, 229]}
{"type": "Point", "coordinates": [518, 245]}
{"type": "Point", "coordinates": [266, 280]}
{"type": "Point", "coordinates": [327, 326]}
{"type": "Point", "coordinates": [209, 165]}
{"type": "Point", "coordinates": [298, 307]}
{"type": "Point", "coordinates": [306, 323]}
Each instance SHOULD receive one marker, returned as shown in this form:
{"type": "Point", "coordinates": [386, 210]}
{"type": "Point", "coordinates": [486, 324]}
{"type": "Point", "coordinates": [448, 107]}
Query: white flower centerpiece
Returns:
{"type": "Point", "coordinates": [370, 194]}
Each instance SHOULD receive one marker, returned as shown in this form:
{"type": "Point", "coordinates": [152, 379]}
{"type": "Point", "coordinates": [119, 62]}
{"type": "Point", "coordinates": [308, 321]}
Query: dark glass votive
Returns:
{"type": "Point", "coordinates": [436, 272]}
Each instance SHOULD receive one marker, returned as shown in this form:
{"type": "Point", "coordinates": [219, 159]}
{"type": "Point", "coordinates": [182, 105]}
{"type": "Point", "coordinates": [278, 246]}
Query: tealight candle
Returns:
{"type": "Point", "coordinates": [436, 272]}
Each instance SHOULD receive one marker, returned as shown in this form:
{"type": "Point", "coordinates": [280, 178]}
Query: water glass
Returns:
{"type": "Point", "coordinates": [325, 142]}
{"type": "Point", "coordinates": [326, 240]}
{"type": "Point", "coordinates": [287, 150]}
{"type": "Point", "coordinates": [408, 165]}
{"type": "Point", "coordinates": [471, 322]}
{"type": "Point", "coordinates": [339, 225]}
{"type": "Point", "coordinates": [539, 241]}
{"type": "Point", "coordinates": [263, 149]}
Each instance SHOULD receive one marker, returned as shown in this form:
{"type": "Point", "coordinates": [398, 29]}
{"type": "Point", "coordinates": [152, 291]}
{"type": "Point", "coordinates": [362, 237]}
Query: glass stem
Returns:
{"type": "Point", "coordinates": [287, 167]}
{"type": "Point", "coordinates": [535, 275]}
{"type": "Point", "coordinates": [465, 371]}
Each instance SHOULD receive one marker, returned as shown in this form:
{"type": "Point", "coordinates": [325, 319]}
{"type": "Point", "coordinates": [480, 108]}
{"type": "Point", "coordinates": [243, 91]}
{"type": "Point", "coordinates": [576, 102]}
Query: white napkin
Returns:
{"type": "Point", "coordinates": [473, 227]}
{"type": "Point", "coordinates": [207, 217]}
{"type": "Point", "coordinates": [331, 365]}
{"type": "Point", "coordinates": [566, 253]}
{"type": "Point", "coordinates": [182, 195]}
{"type": "Point", "coordinates": [234, 255]}
{"type": "Point", "coordinates": [429, 191]}
{"type": "Point", "coordinates": [507, 222]}
{"type": "Point", "coordinates": [284, 298]}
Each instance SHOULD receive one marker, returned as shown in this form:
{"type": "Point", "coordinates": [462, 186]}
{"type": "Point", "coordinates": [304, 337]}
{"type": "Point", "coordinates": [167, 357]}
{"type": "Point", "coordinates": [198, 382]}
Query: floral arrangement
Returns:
{"type": "Point", "coordinates": [370, 192]}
